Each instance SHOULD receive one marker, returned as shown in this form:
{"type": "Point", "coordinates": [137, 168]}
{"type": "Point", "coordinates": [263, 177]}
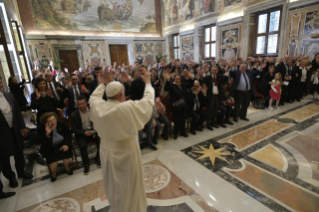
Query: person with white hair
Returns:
{"type": "Point", "coordinates": [117, 122]}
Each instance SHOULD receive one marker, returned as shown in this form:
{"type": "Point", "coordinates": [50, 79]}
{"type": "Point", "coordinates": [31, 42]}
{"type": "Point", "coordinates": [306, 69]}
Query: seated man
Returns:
{"type": "Point", "coordinates": [74, 92]}
{"type": "Point", "coordinates": [225, 109]}
{"type": "Point", "coordinates": [82, 127]}
{"type": "Point", "coordinates": [196, 102]}
{"type": "Point", "coordinates": [160, 118]}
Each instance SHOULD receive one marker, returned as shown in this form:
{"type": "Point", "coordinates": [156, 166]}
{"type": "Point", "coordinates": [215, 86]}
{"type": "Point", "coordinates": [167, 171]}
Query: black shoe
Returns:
{"type": "Point", "coordinates": [53, 179]}
{"type": "Point", "coordinates": [193, 132]}
{"type": "Point", "coordinates": [199, 129]}
{"type": "Point", "coordinates": [229, 122]}
{"type": "Point", "coordinates": [70, 172]}
{"type": "Point", "coordinates": [13, 183]}
{"type": "Point", "coordinates": [185, 135]}
{"type": "Point", "coordinates": [164, 136]}
{"type": "Point", "coordinates": [150, 145]}
{"type": "Point", "coordinates": [216, 126]}
{"type": "Point", "coordinates": [86, 169]}
{"type": "Point", "coordinates": [244, 118]}
{"type": "Point", "coordinates": [235, 120]}
{"type": "Point", "coordinates": [298, 100]}
{"type": "Point", "coordinates": [282, 104]}
{"type": "Point", "coordinates": [142, 145]}
{"type": "Point", "coordinates": [25, 175]}
{"type": "Point", "coordinates": [7, 195]}
{"type": "Point", "coordinates": [154, 141]}
{"type": "Point", "coordinates": [175, 136]}
{"type": "Point", "coordinates": [210, 128]}
{"type": "Point", "coordinates": [222, 125]}
{"type": "Point", "coordinates": [98, 162]}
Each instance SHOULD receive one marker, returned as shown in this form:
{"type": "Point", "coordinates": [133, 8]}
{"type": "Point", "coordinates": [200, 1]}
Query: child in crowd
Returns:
{"type": "Point", "coordinates": [275, 91]}
{"type": "Point", "coordinates": [314, 83]}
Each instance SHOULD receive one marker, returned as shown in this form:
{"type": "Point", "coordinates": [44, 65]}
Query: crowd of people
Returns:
{"type": "Point", "coordinates": [188, 98]}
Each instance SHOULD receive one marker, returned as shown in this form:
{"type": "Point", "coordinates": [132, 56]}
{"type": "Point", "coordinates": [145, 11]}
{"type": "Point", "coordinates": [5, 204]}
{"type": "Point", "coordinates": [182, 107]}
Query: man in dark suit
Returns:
{"type": "Point", "coordinates": [213, 83]}
{"type": "Point", "coordinates": [11, 143]}
{"type": "Point", "coordinates": [283, 69]}
{"type": "Point", "coordinates": [195, 110]}
{"type": "Point", "coordinates": [241, 90]}
{"type": "Point", "coordinates": [137, 92]}
{"type": "Point", "coordinates": [82, 127]}
{"type": "Point", "coordinates": [94, 83]}
{"type": "Point", "coordinates": [225, 110]}
{"type": "Point", "coordinates": [74, 92]}
{"type": "Point", "coordinates": [57, 89]}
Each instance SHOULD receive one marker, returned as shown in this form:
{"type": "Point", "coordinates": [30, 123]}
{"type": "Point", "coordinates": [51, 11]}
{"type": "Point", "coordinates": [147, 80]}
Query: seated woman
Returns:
{"type": "Point", "coordinates": [55, 139]}
{"type": "Point", "coordinates": [42, 99]}
{"type": "Point", "coordinates": [17, 90]}
{"type": "Point", "coordinates": [177, 100]}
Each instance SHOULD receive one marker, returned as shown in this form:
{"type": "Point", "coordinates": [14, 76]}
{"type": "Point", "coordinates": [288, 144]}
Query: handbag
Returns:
{"type": "Point", "coordinates": [179, 103]}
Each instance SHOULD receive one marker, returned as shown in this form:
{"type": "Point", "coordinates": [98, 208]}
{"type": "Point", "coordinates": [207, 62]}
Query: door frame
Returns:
{"type": "Point", "coordinates": [130, 50]}
{"type": "Point", "coordinates": [78, 48]}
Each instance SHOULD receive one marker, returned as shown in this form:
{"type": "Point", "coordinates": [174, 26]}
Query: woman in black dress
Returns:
{"type": "Point", "coordinates": [17, 90]}
{"type": "Point", "coordinates": [55, 139]}
{"type": "Point", "coordinates": [42, 99]}
{"type": "Point", "coordinates": [178, 104]}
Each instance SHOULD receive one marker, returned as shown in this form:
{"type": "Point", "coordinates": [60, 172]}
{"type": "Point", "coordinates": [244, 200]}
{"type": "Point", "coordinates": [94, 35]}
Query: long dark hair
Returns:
{"type": "Point", "coordinates": [38, 80]}
{"type": "Point", "coordinates": [10, 80]}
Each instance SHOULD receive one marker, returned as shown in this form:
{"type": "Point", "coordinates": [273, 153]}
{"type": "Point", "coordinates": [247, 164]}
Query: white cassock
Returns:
{"type": "Point", "coordinates": [118, 124]}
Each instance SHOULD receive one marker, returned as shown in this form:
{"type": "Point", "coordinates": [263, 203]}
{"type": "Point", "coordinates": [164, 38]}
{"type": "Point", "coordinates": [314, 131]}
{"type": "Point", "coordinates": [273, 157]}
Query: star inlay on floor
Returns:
{"type": "Point", "coordinates": [212, 153]}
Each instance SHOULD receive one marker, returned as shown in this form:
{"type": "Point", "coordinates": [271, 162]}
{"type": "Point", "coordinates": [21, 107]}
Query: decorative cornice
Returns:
{"type": "Point", "coordinates": [188, 32]}
{"type": "Point", "coordinates": [263, 6]}
{"type": "Point", "coordinates": [230, 21]}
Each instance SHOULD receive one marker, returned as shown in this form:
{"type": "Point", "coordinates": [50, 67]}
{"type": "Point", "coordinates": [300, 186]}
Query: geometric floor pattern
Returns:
{"type": "Point", "coordinates": [270, 163]}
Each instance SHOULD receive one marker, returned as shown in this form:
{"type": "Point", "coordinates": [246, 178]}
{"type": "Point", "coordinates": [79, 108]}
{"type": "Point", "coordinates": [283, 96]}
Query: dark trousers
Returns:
{"type": "Point", "coordinates": [83, 146]}
{"type": "Point", "coordinates": [161, 120]}
{"type": "Point", "coordinates": [242, 98]}
{"type": "Point", "coordinates": [5, 167]}
{"type": "Point", "coordinates": [301, 90]}
{"type": "Point", "coordinates": [18, 158]}
{"type": "Point", "coordinates": [289, 92]}
{"type": "Point", "coordinates": [212, 110]}
{"type": "Point", "coordinates": [179, 117]}
{"type": "Point", "coordinates": [224, 114]}
{"type": "Point", "coordinates": [295, 91]}
{"type": "Point", "coordinates": [284, 92]}
{"type": "Point", "coordinates": [148, 129]}
{"type": "Point", "coordinates": [198, 118]}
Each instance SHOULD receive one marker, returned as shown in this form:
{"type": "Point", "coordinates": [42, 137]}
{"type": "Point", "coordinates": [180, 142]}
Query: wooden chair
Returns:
{"type": "Point", "coordinates": [257, 94]}
{"type": "Point", "coordinates": [60, 112]}
{"type": "Point", "coordinates": [68, 122]}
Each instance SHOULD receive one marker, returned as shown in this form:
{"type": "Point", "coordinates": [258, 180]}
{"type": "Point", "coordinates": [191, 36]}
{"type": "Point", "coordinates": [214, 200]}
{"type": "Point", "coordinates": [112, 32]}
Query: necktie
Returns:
{"type": "Point", "coordinates": [246, 81]}
{"type": "Point", "coordinates": [196, 101]}
{"type": "Point", "coordinates": [56, 95]}
{"type": "Point", "coordinates": [77, 94]}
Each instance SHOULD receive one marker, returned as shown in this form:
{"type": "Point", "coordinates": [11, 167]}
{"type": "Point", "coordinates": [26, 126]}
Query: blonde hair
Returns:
{"type": "Point", "coordinates": [280, 79]}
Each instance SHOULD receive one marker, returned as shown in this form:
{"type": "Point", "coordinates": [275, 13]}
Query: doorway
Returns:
{"type": "Point", "coordinates": [70, 60]}
{"type": "Point", "coordinates": [118, 54]}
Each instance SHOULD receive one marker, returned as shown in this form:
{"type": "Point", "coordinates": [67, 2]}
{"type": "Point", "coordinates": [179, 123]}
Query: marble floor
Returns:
{"type": "Point", "coordinates": [270, 163]}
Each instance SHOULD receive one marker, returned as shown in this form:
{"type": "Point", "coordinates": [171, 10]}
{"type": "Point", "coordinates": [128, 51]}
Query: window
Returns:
{"type": "Point", "coordinates": [176, 46]}
{"type": "Point", "coordinates": [209, 42]}
{"type": "Point", "coordinates": [267, 32]}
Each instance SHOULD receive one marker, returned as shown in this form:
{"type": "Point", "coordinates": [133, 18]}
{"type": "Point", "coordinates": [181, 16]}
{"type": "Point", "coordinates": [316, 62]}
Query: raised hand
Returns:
{"type": "Point", "coordinates": [38, 94]}
{"type": "Point", "coordinates": [168, 76]}
{"type": "Point", "coordinates": [49, 93]}
{"type": "Point", "coordinates": [146, 77]}
{"type": "Point", "coordinates": [107, 77]}
{"type": "Point", "coordinates": [48, 129]}
{"type": "Point", "coordinates": [125, 77]}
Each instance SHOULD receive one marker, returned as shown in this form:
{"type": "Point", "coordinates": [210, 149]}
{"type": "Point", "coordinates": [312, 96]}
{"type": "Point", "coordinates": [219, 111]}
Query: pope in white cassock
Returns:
{"type": "Point", "coordinates": [117, 122]}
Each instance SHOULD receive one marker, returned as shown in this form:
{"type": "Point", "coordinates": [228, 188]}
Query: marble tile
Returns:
{"type": "Point", "coordinates": [252, 135]}
{"type": "Point", "coordinates": [272, 156]}
{"type": "Point", "coordinates": [303, 113]}
{"type": "Point", "coordinates": [287, 193]}
{"type": "Point", "coordinates": [308, 147]}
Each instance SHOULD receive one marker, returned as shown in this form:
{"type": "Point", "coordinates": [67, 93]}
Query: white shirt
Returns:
{"type": "Point", "coordinates": [86, 122]}
{"type": "Point", "coordinates": [54, 90]}
{"type": "Point", "coordinates": [215, 88]}
{"type": "Point", "coordinates": [75, 99]}
{"type": "Point", "coordinates": [6, 109]}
